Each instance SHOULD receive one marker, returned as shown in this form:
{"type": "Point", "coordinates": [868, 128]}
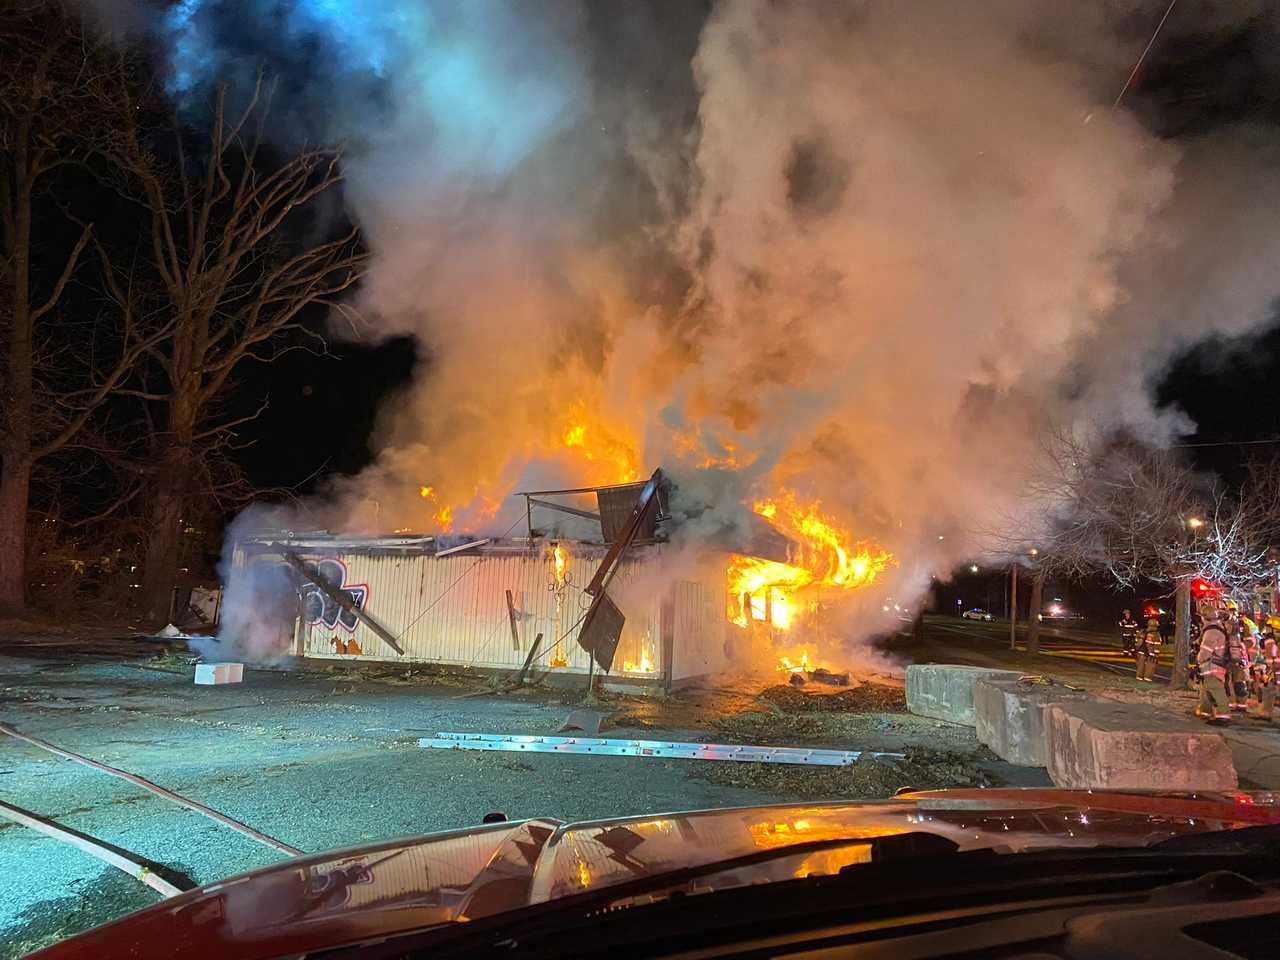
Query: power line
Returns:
{"type": "Point", "coordinates": [1150, 43]}
{"type": "Point", "coordinates": [1226, 443]}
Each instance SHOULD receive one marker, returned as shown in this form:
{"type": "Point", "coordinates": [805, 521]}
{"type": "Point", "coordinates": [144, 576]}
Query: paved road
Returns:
{"type": "Point", "coordinates": [1069, 642]}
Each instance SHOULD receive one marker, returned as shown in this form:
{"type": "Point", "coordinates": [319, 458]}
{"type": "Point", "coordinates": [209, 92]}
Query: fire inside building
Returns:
{"type": "Point", "coordinates": [616, 597]}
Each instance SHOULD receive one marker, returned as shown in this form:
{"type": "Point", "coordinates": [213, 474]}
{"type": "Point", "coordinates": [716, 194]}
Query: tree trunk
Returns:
{"type": "Point", "coordinates": [1013, 607]}
{"type": "Point", "coordinates": [1033, 615]}
{"type": "Point", "coordinates": [164, 536]}
{"type": "Point", "coordinates": [15, 450]}
{"type": "Point", "coordinates": [1182, 634]}
{"type": "Point", "coordinates": [15, 490]}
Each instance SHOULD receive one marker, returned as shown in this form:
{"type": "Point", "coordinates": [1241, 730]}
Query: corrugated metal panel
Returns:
{"type": "Point", "coordinates": [453, 609]}
{"type": "Point", "coordinates": [700, 647]}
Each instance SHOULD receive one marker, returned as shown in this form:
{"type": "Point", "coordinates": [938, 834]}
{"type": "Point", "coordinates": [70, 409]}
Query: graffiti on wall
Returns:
{"type": "Point", "coordinates": [321, 610]}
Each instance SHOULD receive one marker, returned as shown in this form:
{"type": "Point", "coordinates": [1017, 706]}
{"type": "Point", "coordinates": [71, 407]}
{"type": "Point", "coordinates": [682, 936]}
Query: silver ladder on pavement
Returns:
{"type": "Point", "coordinates": [668, 749]}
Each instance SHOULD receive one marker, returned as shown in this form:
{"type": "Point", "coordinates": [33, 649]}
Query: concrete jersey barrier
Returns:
{"type": "Point", "coordinates": [1103, 745]}
{"type": "Point", "coordinates": [944, 691]}
{"type": "Point", "coordinates": [1009, 716]}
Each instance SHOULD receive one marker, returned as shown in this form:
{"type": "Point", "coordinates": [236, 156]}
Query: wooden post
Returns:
{"type": "Point", "coordinates": [1013, 606]}
{"type": "Point", "coordinates": [533, 650]}
{"type": "Point", "coordinates": [343, 601]}
{"type": "Point", "coordinates": [511, 616]}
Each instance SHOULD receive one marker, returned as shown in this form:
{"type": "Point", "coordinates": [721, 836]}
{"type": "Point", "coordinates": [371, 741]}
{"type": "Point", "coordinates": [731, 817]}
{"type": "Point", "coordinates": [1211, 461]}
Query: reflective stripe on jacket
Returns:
{"type": "Point", "coordinates": [1212, 657]}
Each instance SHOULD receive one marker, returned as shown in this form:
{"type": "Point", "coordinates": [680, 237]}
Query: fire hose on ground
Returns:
{"type": "Point", "coordinates": [158, 790]}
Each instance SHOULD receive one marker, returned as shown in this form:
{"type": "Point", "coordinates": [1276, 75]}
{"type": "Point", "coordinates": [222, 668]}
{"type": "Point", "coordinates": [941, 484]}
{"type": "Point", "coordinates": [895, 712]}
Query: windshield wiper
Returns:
{"type": "Point", "coordinates": [1260, 839]}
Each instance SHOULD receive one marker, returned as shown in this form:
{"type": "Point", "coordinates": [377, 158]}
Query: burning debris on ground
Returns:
{"type": "Point", "coordinates": [868, 697]}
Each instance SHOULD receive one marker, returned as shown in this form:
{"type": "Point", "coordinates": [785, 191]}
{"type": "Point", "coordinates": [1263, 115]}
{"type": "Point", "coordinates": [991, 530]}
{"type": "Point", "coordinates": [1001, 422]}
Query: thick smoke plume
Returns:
{"type": "Point", "coordinates": [860, 252]}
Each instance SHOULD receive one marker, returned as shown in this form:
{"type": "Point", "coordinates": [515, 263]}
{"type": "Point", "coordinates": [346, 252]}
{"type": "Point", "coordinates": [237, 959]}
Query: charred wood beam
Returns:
{"type": "Point", "coordinates": [528, 660]}
{"type": "Point", "coordinates": [342, 600]}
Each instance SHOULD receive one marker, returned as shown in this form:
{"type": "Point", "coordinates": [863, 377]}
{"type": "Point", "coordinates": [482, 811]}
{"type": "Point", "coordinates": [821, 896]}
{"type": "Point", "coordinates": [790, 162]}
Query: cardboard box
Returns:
{"type": "Point", "coordinates": [211, 674]}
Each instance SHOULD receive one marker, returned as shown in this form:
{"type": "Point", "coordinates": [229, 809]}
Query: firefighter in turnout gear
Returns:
{"type": "Point", "coordinates": [1148, 651]}
{"type": "Point", "coordinates": [1253, 666]}
{"type": "Point", "coordinates": [1128, 633]}
{"type": "Point", "coordinates": [1212, 663]}
{"type": "Point", "coordinates": [1237, 665]}
{"type": "Point", "coordinates": [1269, 653]}
{"type": "Point", "coordinates": [1193, 669]}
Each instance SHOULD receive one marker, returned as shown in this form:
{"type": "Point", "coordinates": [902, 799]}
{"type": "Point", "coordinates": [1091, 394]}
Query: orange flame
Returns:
{"type": "Point", "coordinates": [597, 444]}
{"type": "Point", "coordinates": [826, 557]}
{"type": "Point", "coordinates": [560, 577]}
{"type": "Point", "coordinates": [443, 516]}
{"type": "Point", "coordinates": [645, 664]}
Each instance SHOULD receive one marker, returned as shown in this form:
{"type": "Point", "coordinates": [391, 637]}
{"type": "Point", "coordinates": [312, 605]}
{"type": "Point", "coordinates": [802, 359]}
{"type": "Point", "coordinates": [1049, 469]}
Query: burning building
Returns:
{"type": "Point", "coordinates": [606, 591]}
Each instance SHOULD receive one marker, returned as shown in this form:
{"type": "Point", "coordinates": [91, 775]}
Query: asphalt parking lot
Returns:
{"type": "Point", "coordinates": [324, 760]}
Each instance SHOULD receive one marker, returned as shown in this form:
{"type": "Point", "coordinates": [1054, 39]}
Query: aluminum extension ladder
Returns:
{"type": "Point", "coordinates": [667, 749]}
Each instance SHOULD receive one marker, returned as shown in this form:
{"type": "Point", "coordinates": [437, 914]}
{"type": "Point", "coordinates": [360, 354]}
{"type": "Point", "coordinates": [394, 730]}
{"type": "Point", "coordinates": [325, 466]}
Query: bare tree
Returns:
{"type": "Point", "coordinates": [225, 216]}
{"type": "Point", "coordinates": [61, 96]}
{"type": "Point", "coordinates": [1140, 514]}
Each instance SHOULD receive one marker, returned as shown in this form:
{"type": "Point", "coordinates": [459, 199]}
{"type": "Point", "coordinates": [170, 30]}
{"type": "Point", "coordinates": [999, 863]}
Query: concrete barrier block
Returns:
{"type": "Point", "coordinates": [1103, 745]}
{"type": "Point", "coordinates": [210, 674]}
{"type": "Point", "coordinates": [945, 690]}
{"type": "Point", "coordinates": [1009, 716]}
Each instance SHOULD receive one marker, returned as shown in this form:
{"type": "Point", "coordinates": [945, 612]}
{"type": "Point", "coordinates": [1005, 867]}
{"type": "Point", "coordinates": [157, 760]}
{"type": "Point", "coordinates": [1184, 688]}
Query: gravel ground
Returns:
{"type": "Point", "coordinates": [322, 760]}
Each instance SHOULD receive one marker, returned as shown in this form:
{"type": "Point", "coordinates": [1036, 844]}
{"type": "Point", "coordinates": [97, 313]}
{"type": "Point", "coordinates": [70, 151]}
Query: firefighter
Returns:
{"type": "Point", "coordinates": [1193, 645]}
{"type": "Point", "coordinates": [1253, 665]}
{"type": "Point", "coordinates": [1269, 652]}
{"type": "Point", "coordinates": [1148, 651]}
{"type": "Point", "coordinates": [1128, 632]}
{"type": "Point", "coordinates": [1237, 665]}
{"type": "Point", "coordinates": [1211, 659]}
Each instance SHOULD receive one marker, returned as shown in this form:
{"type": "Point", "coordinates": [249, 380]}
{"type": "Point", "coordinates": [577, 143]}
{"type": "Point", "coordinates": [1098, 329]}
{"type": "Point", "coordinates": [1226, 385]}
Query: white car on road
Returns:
{"type": "Point", "coordinates": [977, 614]}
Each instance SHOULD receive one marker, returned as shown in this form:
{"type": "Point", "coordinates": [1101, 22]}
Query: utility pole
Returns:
{"type": "Point", "coordinates": [1013, 606]}
{"type": "Point", "coordinates": [1182, 633]}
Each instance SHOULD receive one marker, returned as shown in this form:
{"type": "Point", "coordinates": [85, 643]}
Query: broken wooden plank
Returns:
{"type": "Point", "coordinates": [342, 600]}
{"type": "Point", "coordinates": [533, 650]}
{"type": "Point", "coordinates": [511, 616]}
{"type": "Point", "coordinates": [121, 859]}
{"type": "Point", "coordinates": [462, 546]}
{"type": "Point", "coordinates": [153, 787]}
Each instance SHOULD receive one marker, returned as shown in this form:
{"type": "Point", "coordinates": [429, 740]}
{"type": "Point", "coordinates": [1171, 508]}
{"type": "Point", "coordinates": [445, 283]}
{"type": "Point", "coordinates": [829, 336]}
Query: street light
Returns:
{"type": "Point", "coordinates": [973, 568]}
{"type": "Point", "coordinates": [1035, 552]}
{"type": "Point", "coordinates": [1195, 523]}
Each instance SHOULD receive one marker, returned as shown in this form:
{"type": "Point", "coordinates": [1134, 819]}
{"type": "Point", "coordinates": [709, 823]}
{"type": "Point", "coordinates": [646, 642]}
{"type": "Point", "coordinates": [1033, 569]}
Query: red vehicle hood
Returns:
{"type": "Point", "coordinates": [347, 896]}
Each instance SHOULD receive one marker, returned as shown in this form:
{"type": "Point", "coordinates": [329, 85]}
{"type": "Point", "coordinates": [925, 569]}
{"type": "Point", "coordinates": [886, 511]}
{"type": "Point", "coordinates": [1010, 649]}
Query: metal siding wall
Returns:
{"type": "Point", "coordinates": [453, 610]}
{"type": "Point", "coordinates": [700, 630]}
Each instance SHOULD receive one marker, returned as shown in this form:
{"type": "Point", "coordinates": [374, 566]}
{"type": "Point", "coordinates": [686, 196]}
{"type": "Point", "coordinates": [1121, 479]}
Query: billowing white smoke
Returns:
{"type": "Point", "coordinates": [863, 253]}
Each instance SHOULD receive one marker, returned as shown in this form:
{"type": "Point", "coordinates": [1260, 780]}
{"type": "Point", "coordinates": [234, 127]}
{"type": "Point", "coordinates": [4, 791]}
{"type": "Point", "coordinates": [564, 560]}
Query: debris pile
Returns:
{"type": "Point", "coordinates": [864, 698]}
{"type": "Point", "coordinates": [866, 779]}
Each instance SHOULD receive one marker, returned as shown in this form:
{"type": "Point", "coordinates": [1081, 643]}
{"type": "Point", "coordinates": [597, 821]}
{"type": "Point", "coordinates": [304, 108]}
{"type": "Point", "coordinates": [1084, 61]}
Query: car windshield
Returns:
{"type": "Point", "coordinates": [459, 455]}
